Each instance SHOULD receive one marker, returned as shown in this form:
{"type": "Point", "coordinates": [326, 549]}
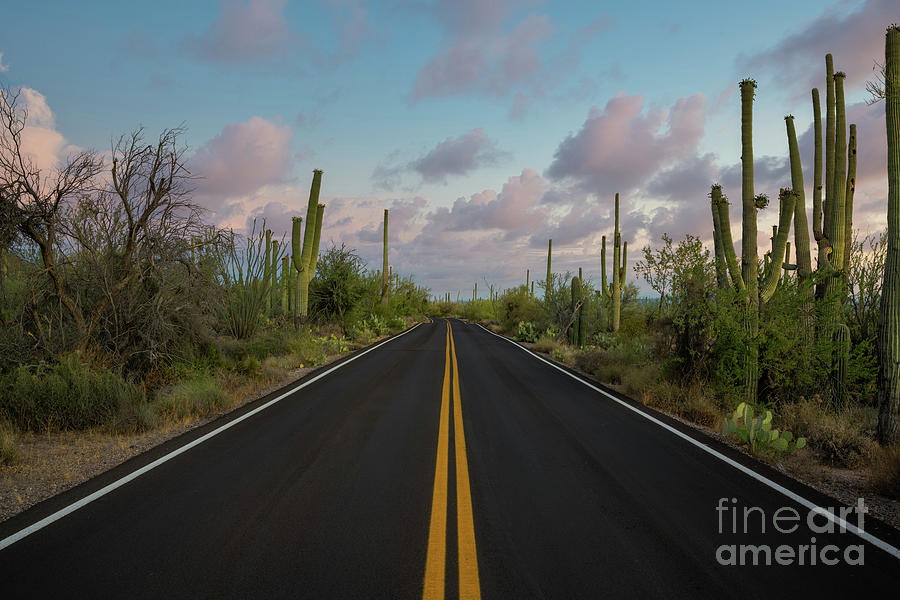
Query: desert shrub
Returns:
{"type": "Point", "coordinates": [248, 366]}
{"type": "Point", "coordinates": [65, 395]}
{"type": "Point", "coordinates": [194, 397]}
{"type": "Point", "coordinates": [885, 471]}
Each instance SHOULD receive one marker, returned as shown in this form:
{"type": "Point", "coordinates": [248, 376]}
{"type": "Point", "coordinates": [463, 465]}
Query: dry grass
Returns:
{"type": "Point", "coordinates": [884, 471]}
{"type": "Point", "coordinates": [546, 343]}
{"type": "Point", "coordinates": [9, 451]}
{"type": "Point", "coordinates": [841, 439]}
{"type": "Point", "coordinates": [694, 402]}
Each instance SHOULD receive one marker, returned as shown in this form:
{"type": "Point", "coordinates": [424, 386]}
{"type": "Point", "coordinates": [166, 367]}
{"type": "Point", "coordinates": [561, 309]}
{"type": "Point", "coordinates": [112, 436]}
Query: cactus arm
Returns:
{"type": "Point", "coordinates": [828, 209]}
{"type": "Point", "coordinates": [817, 167]}
{"type": "Point", "coordinates": [320, 213]}
{"type": "Point", "coordinates": [749, 265]}
{"type": "Point", "coordinates": [801, 227]}
{"type": "Point", "coordinates": [839, 190]}
{"type": "Point", "coordinates": [787, 200]}
{"type": "Point", "coordinates": [848, 197]}
{"type": "Point", "coordinates": [721, 268]}
{"type": "Point", "coordinates": [285, 282]}
{"type": "Point", "coordinates": [604, 287]}
{"type": "Point", "coordinates": [623, 270]}
{"type": "Point", "coordinates": [721, 202]}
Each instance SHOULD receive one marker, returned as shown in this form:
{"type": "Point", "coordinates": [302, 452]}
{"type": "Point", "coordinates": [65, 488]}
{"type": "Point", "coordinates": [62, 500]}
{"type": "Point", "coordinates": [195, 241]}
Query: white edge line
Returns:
{"type": "Point", "coordinates": [148, 467]}
{"type": "Point", "coordinates": [878, 542]}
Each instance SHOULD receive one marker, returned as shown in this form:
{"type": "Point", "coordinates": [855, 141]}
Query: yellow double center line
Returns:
{"type": "Point", "coordinates": [435, 562]}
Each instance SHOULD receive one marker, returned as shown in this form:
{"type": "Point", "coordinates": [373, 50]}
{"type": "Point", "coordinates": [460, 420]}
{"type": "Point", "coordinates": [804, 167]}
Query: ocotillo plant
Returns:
{"type": "Point", "coordinates": [889, 327]}
{"type": "Point", "coordinates": [613, 292]}
{"type": "Point", "coordinates": [303, 259]}
{"type": "Point", "coordinates": [549, 272]}
{"type": "Point", "coordinates": [385, 286]}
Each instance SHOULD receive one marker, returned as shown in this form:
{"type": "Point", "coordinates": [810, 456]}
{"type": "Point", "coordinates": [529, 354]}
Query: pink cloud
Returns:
{"type": "Point", "coordinates": [243, 158]}
{"type": "Point", "coordinates": [855, 39]}
{"type": "Point", "coordinates": [618, 148]}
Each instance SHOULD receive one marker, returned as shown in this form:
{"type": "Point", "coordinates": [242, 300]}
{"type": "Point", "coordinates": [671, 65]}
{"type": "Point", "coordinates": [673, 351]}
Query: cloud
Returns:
{"type": "Point", "coordinates": [477, 54]}
{"type": "Point", "coordinates": [855, 39]}
{"type": "Point", "coordinates": [41, 142]}
{"type": "Point", "coordinates": [245, 31]}
{"type": "Point", "coordinates": [619, 147]}
{"type": "Point", "coordinates": [241, 160]}
{"type": "Point", "coordinates": [3, 68]}
{"type": "Point", "coordinates": [452, 157]}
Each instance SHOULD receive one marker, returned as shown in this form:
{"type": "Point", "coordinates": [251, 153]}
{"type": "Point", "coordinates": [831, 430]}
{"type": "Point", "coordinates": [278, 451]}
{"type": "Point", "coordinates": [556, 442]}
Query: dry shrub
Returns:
{"type": "Point", "coordinates": [841, 439]}
{"type": "Point", "coordinates": [694, 402]}
{"type": "Point", "coordinates": [547, 343]}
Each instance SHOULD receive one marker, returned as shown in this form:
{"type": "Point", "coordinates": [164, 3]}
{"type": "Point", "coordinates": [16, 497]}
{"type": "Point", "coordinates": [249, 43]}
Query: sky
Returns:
{"type": "Point", "coordinates": [486, 128]}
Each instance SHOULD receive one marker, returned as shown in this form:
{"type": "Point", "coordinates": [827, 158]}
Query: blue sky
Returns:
{"type": "Point", "coordinates": [485, 127]}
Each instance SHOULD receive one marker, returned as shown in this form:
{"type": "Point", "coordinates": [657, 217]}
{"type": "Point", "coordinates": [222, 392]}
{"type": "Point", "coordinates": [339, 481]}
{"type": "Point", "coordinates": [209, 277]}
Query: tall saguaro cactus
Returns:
{"type": "Point", "coordinates": [385, 282]}
{"type": "Point", "coordinates": [304, 262]}
{"type": "Point", "coordinates": [889, 326]}
{"type": "Point", "coordinates": [549, 272]}
{"type": "Point", "coordinates": [613, 292]}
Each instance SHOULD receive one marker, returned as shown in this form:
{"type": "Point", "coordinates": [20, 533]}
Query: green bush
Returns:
{"type": "Point", "coordinates": [66, 395]}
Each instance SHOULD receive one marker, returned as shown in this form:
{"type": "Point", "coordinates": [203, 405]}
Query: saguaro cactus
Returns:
{"type": "Point", "coordinates": [613, 292]}
{"type": "Point", "coordinates": [889, 326]}
{"type": "Point", "coordinates": [304, 263]}
{"type": "Point", "coordinates": [385, 283]}
{"type": "Point", "coordinates": [575, 307]}
{"type": "Point", "coordinates": [268, 272]}
{"type": "Point", "coordinates": [549, 272]}
{"type": "Point", "coordinates": [285, 283]}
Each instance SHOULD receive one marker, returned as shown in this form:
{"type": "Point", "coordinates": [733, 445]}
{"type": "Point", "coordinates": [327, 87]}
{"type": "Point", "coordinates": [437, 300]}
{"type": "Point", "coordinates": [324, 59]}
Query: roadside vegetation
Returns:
{"type": "Point", "coordinates": [121, 310]}
{"type": "Point", "coordinates": [791, 361]}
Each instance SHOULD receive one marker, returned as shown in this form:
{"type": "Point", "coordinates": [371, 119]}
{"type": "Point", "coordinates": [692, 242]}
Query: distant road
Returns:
{"type": "Point", "coordinates": [447, 462]}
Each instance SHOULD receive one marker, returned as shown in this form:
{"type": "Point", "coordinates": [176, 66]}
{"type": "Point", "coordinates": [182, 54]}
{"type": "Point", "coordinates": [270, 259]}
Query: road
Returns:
{"type": "Point", "coordinates": [447, 462]}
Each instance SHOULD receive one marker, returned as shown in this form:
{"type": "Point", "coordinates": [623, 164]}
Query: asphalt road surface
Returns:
{"type": "Point", "coordinates": [446, 462]}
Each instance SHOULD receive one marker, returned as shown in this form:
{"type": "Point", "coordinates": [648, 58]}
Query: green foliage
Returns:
{"type": "Point", "coordinates": [758, 432]}
{"type": "Point", "coordinates": [66, 395]}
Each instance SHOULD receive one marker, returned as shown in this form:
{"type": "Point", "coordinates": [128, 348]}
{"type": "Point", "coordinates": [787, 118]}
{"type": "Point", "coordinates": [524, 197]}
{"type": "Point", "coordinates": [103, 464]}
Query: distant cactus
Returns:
{"type": "Point", "coordinates": [549, 271]}
{"type": "Point", "coordinates": [575, 308]}
{"type": "Point", "coordinates": [613, 292]}
{"type": "Point", "coordinates": [889, 328]}
{"type": "Point", "coordinates": [285, 284]}
{"type": "Point", "coordinates": [268, 273]}
{"type": "Point", "coordinates": [385, 282]}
